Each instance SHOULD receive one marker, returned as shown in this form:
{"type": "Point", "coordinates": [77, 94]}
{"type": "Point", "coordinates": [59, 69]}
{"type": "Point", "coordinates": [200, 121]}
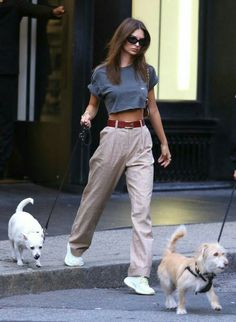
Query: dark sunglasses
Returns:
{"type": "Point", "coordinates": [133, 40]}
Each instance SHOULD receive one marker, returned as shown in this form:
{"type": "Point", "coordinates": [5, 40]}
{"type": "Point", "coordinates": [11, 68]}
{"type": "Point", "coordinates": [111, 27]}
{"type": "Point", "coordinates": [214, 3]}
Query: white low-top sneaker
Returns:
{"type": "Point", "coordinates": [71, 260]}
{"type": "Point", "coordinates": [139, 285]}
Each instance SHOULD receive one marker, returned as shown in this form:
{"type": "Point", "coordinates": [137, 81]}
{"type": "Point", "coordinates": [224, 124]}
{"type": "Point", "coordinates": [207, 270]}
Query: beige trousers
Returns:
{"type": "Point", "coordinates": [120, 150]}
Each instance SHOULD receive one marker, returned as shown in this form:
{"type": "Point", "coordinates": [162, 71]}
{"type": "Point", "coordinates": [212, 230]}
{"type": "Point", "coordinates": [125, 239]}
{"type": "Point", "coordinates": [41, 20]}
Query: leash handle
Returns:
{"type": "Point", "coordinates": [83, 135]}
{"type": "Point", "coordinates": [227, 210]}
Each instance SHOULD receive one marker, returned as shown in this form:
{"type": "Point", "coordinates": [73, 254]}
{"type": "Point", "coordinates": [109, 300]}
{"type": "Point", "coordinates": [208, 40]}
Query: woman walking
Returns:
{"type": "Point", "coordinates": [125, 82]}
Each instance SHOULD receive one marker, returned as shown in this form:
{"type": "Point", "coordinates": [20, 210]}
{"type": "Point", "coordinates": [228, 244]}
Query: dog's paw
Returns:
{"type": "Point", "coordinates": [217, 307]}
{"type": "Point", "coordinates": [20, 263]}
{"type": "Point", "coordinates": [181, 311]}
{"type": "Point", "coordinates": [38, 264]}
{"type": "Point", "coordinates": [170, 303]}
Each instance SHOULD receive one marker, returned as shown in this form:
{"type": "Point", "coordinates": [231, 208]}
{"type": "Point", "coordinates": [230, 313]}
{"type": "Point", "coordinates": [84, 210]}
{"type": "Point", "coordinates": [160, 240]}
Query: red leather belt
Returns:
{"type": "Point", "coordinates": [124, 124]}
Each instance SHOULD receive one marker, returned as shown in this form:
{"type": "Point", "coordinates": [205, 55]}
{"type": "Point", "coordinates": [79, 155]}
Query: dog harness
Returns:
{"type": "Point", "coordinates": [206, 277]}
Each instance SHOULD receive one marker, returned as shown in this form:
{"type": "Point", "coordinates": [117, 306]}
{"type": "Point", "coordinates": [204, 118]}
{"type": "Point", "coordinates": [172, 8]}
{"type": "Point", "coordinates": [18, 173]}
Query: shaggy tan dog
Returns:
{"type": "Point", "coordinates": [183, 273]}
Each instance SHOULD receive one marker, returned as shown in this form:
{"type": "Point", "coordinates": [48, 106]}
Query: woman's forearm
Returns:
{"type": "Point", "coordinates": [156, 122]}
{"type": "Point", "coordinates": [92, 108]}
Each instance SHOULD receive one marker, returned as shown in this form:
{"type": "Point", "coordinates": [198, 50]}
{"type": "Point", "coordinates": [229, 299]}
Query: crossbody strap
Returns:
{"type": "Point", "coordinates": [146, 109]}
{"type": "Point", "coordinates": [148, 77]}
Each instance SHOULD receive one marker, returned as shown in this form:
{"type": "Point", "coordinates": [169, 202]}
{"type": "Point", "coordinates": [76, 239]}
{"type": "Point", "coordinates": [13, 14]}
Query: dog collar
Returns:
{"type": "Point", "coordinates": [206, 277]}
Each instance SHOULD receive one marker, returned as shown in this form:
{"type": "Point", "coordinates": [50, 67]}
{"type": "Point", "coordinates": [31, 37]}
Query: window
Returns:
{"type": "Point", "coordinates": [40, 77]}
{"type": "Point", "coordinates": [173, 25]}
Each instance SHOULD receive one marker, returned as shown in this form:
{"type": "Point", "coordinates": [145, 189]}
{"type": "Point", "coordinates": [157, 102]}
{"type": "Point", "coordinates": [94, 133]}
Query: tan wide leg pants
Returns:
{"type": "Point", "coordinates": [120, 150]}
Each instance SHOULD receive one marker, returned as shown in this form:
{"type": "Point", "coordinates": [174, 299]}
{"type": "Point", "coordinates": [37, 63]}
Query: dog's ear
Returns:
{"type": "Point", "coordinates": [25, 237]}
{"type": "Point", "coordinates": [44, 233]}
{"type": "Point", "coordinates": [201, 251]}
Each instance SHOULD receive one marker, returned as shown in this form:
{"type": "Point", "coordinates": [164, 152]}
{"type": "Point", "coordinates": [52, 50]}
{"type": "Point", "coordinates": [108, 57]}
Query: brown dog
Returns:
{"type": "Point", "coordinates": [183, 273]}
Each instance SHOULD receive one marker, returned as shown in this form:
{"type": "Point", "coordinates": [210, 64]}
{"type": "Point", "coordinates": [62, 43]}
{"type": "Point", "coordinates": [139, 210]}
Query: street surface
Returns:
{"type": "Point", "coordinates": [167, 208]}
{"type": "Point", "coordinates": [82, 305]}
{"type": "Point", "coordinates": [105, 305]}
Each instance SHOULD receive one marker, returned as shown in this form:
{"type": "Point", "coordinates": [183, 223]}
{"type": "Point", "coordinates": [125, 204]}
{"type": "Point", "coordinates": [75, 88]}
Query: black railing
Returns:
{"type": "Point", "coordinates": [190, 145]}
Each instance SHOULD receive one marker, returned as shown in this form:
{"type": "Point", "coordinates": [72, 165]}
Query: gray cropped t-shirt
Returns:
{"type": "Point", "coordinates": [131, 93]}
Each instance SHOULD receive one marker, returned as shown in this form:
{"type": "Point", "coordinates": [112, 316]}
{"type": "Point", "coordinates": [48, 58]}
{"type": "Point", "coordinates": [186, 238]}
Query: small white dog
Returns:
{"type": "Point", "coordinates": [25, 232]}
{"type": "Point", "coordinates": [183, 273]}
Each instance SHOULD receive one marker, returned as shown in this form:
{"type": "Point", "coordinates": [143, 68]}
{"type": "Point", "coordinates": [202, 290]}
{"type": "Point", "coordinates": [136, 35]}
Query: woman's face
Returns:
{"type": "Point", "coordinates": [134, 42]}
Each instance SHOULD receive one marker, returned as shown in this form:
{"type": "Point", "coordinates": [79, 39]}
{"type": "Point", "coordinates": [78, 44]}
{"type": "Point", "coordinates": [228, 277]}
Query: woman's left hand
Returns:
{"type": "Point", "coordinates": [165, 157]}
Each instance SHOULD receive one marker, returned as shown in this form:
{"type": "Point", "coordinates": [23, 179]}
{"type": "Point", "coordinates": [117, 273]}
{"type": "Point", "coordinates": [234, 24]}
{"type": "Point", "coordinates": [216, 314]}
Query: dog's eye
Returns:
{"type": "Point", "coordinates": [216, 254]}
{"type": "Point", "coordinates": [32, 247]}
{"type": "Point", "coordinates": [40, 247]}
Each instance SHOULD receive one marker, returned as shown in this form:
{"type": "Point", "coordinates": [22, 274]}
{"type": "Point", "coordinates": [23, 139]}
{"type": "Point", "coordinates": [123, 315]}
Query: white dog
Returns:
{"type": "Point", "coordinates": [183, 273]}
{"type": "Point", "coordinates": [25, 232]}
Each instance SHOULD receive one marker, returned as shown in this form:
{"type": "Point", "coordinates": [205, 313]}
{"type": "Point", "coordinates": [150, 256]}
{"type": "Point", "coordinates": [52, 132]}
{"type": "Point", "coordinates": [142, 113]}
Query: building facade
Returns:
{"type": "Point", "coordinates": [193, 50]}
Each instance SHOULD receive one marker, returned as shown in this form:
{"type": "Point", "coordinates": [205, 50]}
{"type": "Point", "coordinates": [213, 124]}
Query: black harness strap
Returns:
{"type": "Point", "coordinates": [208, 277]}
{"type": "Point", "coordinates": [192, 272]}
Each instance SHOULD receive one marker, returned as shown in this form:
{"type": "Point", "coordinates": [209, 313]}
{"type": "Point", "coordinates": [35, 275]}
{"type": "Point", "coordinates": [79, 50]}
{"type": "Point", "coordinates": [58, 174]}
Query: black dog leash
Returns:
{"type": "Point", "coordinates": [85, 137]}
{"type": "Point", "coordinates": [227, 210]}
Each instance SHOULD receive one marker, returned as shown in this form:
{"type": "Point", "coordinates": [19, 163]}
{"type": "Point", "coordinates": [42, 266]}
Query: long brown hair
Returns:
{"type": "Point", "coordinates": [112, 61]}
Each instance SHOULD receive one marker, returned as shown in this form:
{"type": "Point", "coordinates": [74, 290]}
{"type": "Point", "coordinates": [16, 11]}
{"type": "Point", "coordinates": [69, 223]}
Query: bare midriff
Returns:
{"type": "Point", "coordinates": [128, 115]}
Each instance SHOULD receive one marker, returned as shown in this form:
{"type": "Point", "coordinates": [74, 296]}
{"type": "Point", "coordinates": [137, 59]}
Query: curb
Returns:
{"type": "Point", "coordinates": [65, 278]}
{"type": "Point", "coordinates": [107, 276]}
{"type": "Point", "coordinates": [191, 186]}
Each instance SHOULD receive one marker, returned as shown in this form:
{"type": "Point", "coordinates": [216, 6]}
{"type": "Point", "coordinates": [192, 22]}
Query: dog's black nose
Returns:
{"type": "Point", "coordinates": [36, 256]}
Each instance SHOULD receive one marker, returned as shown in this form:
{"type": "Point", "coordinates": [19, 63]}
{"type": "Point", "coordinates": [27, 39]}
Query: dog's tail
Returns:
{"type": "Point", "coordinates": [23, 203]}
{"type": "Point", "coordinates": [179, 233]}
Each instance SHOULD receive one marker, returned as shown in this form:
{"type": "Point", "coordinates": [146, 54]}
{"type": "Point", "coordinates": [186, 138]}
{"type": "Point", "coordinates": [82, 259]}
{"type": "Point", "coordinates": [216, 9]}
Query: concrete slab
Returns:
{"type": "Point", "coordinates": [106, 261]}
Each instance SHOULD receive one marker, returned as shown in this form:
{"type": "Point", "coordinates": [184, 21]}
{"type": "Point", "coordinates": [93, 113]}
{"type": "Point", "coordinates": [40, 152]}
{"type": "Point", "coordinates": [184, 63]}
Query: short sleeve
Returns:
{"type": "Point", "coordinates": [153, 79]}
{"type": "Point", "coordinates": [94, 84]}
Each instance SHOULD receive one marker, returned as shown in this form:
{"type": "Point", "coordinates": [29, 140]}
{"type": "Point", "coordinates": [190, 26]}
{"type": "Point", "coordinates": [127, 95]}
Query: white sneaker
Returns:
{"type": "Point", "coordinates": [71, 260]}
{"type": "Point", "coordinates": [139, 285]}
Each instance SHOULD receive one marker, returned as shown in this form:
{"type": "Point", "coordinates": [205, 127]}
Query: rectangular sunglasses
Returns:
{"type": "Point", "coordinates": [133, 40]}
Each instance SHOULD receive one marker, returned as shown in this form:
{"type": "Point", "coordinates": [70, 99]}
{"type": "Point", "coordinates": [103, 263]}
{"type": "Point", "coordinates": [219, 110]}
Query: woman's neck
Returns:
{"type": "Point", "coordinates": [125, 60]}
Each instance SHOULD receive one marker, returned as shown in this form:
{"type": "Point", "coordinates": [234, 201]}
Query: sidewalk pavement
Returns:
{"type": "Point", "coordinates": [106, 261]}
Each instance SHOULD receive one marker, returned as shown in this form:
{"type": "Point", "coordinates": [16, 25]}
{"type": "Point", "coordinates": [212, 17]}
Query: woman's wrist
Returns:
{"type": "Point", "coordinates": [164, 143]}
{"type": "Point", "coordinates": [86, 113]}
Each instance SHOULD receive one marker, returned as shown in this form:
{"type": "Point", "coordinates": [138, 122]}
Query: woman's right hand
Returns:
{"type": "Point", "coordinates": [235, 174]}
{"type": "Point", "coordinates": [90, 111]}
{"type": "Point", "coordinates": [86, 120]}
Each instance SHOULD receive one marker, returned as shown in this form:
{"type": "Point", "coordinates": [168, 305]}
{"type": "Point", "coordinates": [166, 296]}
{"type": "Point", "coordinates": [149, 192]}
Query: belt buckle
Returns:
{"type": "Point", "coordinates": [130, 126]}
